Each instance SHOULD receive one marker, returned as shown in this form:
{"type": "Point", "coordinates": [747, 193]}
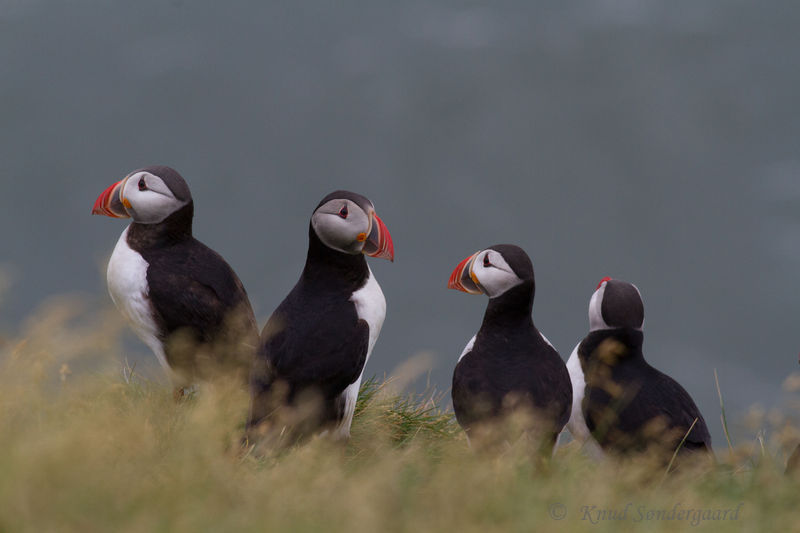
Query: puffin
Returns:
{"type": "Point", "coordinates": [315, 345]}
{"type": "Point", "coordinates": [621, 404]}
{"type": "Point", "coordinates": [181, 298]}
{"type": "Point", "coordinates": [508, 365]}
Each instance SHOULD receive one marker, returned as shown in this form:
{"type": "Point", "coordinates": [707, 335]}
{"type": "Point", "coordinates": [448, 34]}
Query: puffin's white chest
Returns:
{"type": "Point", "coordinates": [370, 307]}
{"type": "Point", "coordinates": [127, 285]}
{"type": "Point", "coordinates": [577, 425]}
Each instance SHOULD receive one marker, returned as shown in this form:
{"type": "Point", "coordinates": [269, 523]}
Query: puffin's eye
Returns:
{"type": "Point", "coordinates": [486, 261]}
{"type": "Point", "coordinates": [343, 212]}
{"type": "Point", "coordinates": [142, 184]}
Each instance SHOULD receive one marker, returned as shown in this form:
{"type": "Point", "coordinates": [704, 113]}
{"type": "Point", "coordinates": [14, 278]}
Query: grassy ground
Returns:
{"type": "Point", "coordinates": [88, 450]}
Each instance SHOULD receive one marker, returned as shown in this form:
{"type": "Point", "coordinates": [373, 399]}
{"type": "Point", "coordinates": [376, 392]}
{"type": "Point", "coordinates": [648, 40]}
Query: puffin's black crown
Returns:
{"type": "Point", "coordinates": [517, 259]}
{"type": "Point", "coordinates": [362, 201]}
{"type": "Point", "coordinates": [171, 179]}
{"type": "Point", "coordinates": [622, 305]}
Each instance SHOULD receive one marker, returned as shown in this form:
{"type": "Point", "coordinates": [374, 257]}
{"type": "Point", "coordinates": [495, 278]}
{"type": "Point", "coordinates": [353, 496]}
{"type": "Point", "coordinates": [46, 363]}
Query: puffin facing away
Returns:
{"type": "Point", "coordinates": [621, 402]}
{"type": "Point", "coordinates": [508, 364]}
{"type": "Point", "coordinates": [315, 345]}
{"type": "Point", "coordinates": [181, 298]}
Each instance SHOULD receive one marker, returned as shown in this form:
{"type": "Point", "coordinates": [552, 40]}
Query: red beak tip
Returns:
{"type": "Point", "coordinates": [455, 278]}
{"type": "Point", "coordinates": [102, 206]}
{"type": "Point", "coordinates": [605, 279]}
{"type": "Point", "coordinates": [386, 244]}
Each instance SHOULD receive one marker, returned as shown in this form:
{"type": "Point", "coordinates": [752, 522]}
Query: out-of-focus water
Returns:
{"type": "Point", "coordinates": [652, 141]}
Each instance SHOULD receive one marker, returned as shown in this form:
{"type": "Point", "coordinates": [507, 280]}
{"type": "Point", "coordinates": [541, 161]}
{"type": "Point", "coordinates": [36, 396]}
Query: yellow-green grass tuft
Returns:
{"type": "Point", "coordinates": [89, 444]}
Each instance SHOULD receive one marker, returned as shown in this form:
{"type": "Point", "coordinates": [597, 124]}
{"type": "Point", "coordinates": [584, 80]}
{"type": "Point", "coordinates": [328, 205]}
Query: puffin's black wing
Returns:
{"type": "Point", "coordinates": [469, 384]}
{"type": "Point", "coordinates": [320, 346]}
{"type": "Point", "coordinates": [652, 396]}
{"type": "Point", "coordinates": [191, 286]}
{"type": "Point", "coordinates": [679, 409]}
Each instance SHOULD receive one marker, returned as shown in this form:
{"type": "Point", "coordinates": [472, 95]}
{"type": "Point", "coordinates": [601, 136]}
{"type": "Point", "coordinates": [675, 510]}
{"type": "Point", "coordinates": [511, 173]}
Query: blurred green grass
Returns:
{"type": "Point", "coordinates": [88, 444]}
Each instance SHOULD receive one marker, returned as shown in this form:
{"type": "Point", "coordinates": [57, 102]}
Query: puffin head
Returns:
{"type": "Point", "coordinates": [148, 196]}
{"type": "Point", "coordinates": [616, 304]}
{"type": "Point", "coordinates": [346, 222]}
{"type": "Point", "coordinates": [492, 271]}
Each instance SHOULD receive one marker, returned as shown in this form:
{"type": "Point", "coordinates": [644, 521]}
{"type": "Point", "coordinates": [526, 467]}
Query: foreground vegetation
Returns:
{"type": "Point", "coordinates": [109, 450]}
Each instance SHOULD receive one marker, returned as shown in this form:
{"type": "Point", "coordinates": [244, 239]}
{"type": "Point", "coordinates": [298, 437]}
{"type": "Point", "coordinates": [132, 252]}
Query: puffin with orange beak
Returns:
{"type": "Point", "coordinates": [315, 345]}
{"type": "Point", "coordinates": [181, 298]}
{"type": "Point", "coordinates": [508, 365]}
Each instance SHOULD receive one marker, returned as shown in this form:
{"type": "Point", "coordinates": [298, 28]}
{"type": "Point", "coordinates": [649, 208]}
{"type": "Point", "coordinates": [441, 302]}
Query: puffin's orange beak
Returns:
{"type": "Point", "coordinates": [110, 202]}
{"type": "Point", "coordinates": [463, 279]}
{"type": "Point", "coordinates": [379, 243]}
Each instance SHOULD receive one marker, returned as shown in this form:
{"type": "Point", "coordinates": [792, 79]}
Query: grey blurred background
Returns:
{"type": "Point", "coordinates": [652, 141]}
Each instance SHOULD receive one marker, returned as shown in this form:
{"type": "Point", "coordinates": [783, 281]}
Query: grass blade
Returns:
{"type": "Point", "coordinates": [678, 449]}
{"type": "Point", "coordinates": [723, 418]}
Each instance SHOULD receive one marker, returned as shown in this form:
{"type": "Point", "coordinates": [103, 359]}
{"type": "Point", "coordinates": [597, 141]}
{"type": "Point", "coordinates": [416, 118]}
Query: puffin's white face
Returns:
{"type": "Point", "coordinates": [143, 196]}
{"type": "Point", "coordinates": [342, 225]}
{"type": "Point", "coordinates": [352, 228]}
{"type": "Point", "coordinates": [596, 321]}
{"type": "Point", "coordinates": [486, 272]}
{"type": "Point", "coordinates": [147, 199]}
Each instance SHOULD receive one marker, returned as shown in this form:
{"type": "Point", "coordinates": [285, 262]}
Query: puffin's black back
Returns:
{"type": "Point", "coordinates": [511, 359]}
{"type": "Point", "coordinates": [625, 396]}
{"type": "Point", "coordinates": [198, 300]}
{"type": "Point", "coordinates": [314, 343]}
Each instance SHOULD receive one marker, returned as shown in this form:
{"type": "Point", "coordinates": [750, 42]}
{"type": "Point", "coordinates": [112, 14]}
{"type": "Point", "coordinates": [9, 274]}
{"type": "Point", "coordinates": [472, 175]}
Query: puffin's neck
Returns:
{"type": "Point", "coordinates": [631, 339]}
{"type": "Point", "coordinates": [512, 309]}
{"type": "Point", "coordinates": [332, 266]}
{"type": "Point", "coordinates": [175, 228]}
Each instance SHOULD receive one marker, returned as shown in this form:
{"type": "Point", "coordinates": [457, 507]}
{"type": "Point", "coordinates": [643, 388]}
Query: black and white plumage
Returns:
{"type": "Point", "coordinates": [181, 298]}
{"type": "Point", "coordinates": [316, 344]}
{"type": "Point", "coordinates": [509, 364]}
{"type": "Point", "coordinates": [620, 402]}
